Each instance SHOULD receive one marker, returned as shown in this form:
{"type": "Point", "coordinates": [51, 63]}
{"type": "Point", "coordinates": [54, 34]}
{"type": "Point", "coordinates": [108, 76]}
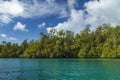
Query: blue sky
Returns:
{"type": "Point", "coordinates": [25, 19]}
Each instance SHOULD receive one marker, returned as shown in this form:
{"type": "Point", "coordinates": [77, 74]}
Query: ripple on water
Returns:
{"type": "Point", "coordinates": [59, 69]}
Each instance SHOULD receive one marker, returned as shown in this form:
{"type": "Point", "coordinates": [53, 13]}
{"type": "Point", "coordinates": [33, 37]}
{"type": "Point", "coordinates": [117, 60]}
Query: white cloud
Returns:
{"type": "Point", "coordinates": [20, 26]}
{"type": "Point", "coordinates": [71, 3]}
{"type": "Point", "coordinates": [12, 39]}
{"type": "Point", "coordinates": [3, 35]}
{"type": "Point", "coordinates": [9, 10]}
{"type": "Point", "coordinates": [74, 23]}
{"type": "Point", "coordinates": [30, 9]}
{"type": "Point", "coordinates": [7, 38]}
{"type": "Point", "coordinates": [5, 18]}
{"type": "Point", "coordinates": [95, 13]}
{"type": "Point", "coordinates": [104, 11]}
{"type": "Point", "coordinates": [12, 7]}
{"type": "Point", "coordinates": [41, 25]}
{"type": "Point", "coordinates": [48, 29]}
{"type": "Point", "coordinates": [42, 9]}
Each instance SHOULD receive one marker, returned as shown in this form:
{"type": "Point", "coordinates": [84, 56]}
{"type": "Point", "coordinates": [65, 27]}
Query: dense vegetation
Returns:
{"type": "Point", "coordinates": [104, 42]}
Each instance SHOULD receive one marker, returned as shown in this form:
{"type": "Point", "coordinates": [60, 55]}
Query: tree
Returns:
{"type": "Point", "coordinates": [104, 42]}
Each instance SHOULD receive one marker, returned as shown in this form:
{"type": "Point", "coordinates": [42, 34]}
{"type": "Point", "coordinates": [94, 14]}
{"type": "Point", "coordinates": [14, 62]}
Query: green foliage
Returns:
{"type": "Point", "coordinates": [104, 42]}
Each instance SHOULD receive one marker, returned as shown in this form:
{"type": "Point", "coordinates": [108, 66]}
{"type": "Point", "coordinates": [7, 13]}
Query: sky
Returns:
{"type": "Point", "coordinates": [25, 19]}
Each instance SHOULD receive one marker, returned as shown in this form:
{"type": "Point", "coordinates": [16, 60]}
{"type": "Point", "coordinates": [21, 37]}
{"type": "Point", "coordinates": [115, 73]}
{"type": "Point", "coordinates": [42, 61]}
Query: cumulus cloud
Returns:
{"type": "Point", "coordinates": [71, 3]}
{"type": "Point", "coordinates": [41, 25]}
{"type": "Point", "coordinates": [9, 10]}
{"type": "Point", "coordinates": [102, 11]}
{"type": "Point", "coordinates": [20, 26]}
{"type": "Point", "coordinates": [13, 7]}
{"type": "Point", "coordinates": [7, 38]}
{"type": "Point", "coordinates": [74, 23]}
{"type": "Point", "coordinates": [30, 9]}
{"type": "Point", "coordinates": [3, 35]}
{"type": "Point", "coordinates": [95, 13]}
{"type": "Point", "coordinates": [12, 38]}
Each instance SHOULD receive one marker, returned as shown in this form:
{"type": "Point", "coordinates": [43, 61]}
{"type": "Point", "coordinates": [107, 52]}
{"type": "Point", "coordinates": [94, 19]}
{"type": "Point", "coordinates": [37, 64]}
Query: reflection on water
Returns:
{"type": "Point", "coordinates": [59, 69]}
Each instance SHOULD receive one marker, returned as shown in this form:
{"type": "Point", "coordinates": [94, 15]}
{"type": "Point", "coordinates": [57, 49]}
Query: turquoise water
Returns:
{"type": "Point", "coordinates": [59, 69]}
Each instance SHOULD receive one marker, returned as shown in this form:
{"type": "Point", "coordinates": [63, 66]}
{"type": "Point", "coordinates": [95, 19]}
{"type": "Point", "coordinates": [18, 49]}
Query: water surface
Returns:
{"type": "Point", "coordinates": [59, 69]}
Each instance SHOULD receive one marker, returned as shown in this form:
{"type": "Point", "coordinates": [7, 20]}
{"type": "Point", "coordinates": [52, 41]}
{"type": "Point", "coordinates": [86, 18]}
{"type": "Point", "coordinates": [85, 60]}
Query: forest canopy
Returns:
{"type": "Point", "coordinates": [104, 42]}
